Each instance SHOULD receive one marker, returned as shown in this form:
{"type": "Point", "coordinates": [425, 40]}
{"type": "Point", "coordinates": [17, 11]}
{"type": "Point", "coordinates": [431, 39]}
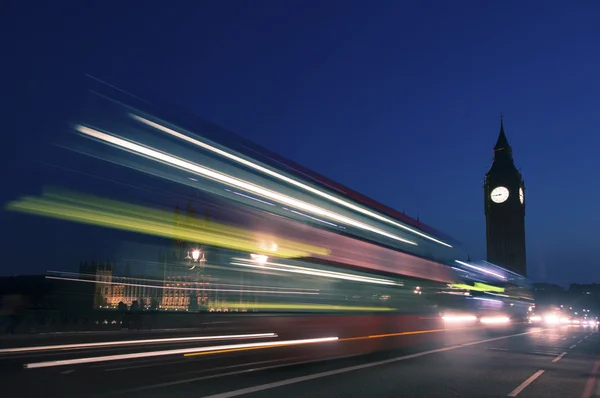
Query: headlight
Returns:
{"type": "Point", "coordinates": [495, 319]}
{"type": "Point", "coordinates": [459, 318]}
{"type": "Point", "coordinates": [551, 319]}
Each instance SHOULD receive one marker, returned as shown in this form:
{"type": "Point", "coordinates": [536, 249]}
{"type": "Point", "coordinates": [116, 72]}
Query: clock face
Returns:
{"type": "Point", "coordinates": [521, 195]}
{"type": "Point", "coordinates": [499, 194]}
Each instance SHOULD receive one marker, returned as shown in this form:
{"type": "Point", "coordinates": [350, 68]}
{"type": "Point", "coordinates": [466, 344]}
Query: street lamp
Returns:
{"type": "Point", "coordinates": [195, 255]}
{"type": "Point", "coordinates": [196, 258]}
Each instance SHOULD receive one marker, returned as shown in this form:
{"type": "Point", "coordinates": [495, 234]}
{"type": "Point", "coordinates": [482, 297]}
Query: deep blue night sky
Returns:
{"type": "Point", "coordinates": [398, 100]}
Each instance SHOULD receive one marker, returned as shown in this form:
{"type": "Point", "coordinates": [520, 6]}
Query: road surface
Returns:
{"type": "Point", "coordinates": [520, 361]}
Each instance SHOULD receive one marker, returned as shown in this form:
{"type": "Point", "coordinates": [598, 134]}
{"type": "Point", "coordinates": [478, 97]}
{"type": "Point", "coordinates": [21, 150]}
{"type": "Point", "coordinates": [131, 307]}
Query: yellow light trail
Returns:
{"type": "Point", "coordinates": [124, 216]}
{"type": "Point", "coordinates": [479, 287]}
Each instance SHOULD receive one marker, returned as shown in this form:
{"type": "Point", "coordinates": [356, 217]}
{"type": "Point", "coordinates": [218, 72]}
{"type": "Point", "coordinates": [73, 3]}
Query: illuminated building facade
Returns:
{"type": "Point", "coordinates": [180, 290]}
{"type": "Point", "coordinates": [110, 289]}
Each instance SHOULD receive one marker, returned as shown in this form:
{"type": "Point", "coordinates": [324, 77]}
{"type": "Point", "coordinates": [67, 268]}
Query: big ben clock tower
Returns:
{"type": "Point", "coordinates": [504, 201]}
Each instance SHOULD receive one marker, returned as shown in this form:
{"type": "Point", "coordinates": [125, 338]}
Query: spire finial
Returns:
{"type": "Point", "coordinates": [502, 143]}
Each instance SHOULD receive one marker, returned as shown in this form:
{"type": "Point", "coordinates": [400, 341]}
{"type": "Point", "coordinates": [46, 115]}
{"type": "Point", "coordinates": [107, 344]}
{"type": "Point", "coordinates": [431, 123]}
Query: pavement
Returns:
{"type": "Point", "coordinates": [521, 361]}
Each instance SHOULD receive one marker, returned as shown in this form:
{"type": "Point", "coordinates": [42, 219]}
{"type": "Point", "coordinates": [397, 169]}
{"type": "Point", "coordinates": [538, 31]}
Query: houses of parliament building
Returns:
{"type": "Point", "coordinates": [184, 278]}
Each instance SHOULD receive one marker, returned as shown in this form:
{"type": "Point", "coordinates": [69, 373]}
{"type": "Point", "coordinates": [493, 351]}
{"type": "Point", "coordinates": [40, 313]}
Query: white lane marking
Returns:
{"type": "Point", "coordinates": [580, 341]}
{"type": "Point", "coordinates": [589, 385]}
{"type": "Point", "coordinates": [130, 342]}
{"type": "Point", "coordinates": [140, 364]}
{"type": "Point", "coordinates": [195, 371]}
{"type": "Point", "coordinates": [66, 372]}
{"type": "Point", "coordinates": [573, 346]}
{"type": "Point", "coordinates": [559, 357]}
{"type": "Point", "coordinates": [524, 352]}
{"type": "Point", "coordinates": [527, 382]}
{"type": "Point", "coordinates": [146, 354]}
{"type": "Point", "coordinates": [539, 353]}
{"type": "Point", "coordinates": [295, 380]}
{"type": "Point", "coordinates": [495, 338]}
{"type": "Point", "coordinates": [237, 372]}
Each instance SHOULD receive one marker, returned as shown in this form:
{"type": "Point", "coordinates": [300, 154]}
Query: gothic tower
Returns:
{"type": "Point", "coordinates": [504, 200]}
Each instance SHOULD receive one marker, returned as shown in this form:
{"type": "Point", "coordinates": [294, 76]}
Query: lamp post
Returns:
{"type": "Point", "coordinates": [196, 259]}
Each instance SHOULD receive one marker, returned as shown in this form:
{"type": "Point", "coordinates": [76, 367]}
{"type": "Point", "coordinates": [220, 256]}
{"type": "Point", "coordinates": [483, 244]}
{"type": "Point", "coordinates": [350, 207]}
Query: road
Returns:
{"type": "Point", "coordinates": [518, 361]}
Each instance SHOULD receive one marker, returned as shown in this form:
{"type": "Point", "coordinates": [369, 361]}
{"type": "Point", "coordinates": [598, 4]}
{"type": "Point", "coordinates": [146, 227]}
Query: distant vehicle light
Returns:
{"type": "Point", "coordinates": [551, 319]}
{"type": "Point", "coordinates": [459, 318]}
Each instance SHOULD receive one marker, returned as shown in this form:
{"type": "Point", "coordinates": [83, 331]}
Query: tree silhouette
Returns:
{"type": "Point", "coordinates": [154, 303]}
{"type": "Point", "coordinates": [193, 306]}
{"type": "Point", "coordinates": [190, 212]}
{"type": "Point", "coordinates": [98, 300]}
{"type": "Point", "coordinates": [177, 243]}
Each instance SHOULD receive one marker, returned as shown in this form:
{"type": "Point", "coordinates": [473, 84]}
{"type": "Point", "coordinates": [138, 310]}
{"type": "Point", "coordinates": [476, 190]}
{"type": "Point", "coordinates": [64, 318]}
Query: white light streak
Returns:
{"type": "Point", "coordinates": [309, 271]}
{"type": "Point", "coordinates": [180, 288]}
{"type": "Point", "coordinates": [485, 271]}
{"type": "Point", "coordinates": [132, 342]}
{"type": "Point", "coordinates": [497, 294]}
{"type": "Point", "coordinates": [249, 197]}
{"type": "Point", "coordinates": [231, 181]}
{"type": "Point", "coordinates": [311, 217]}
{"type": "Point", "coordinates": [284, 178]}
{"type": "Point", "coordinates": [259, 258]}
{"type": "Point", "coordinates": [459, 318]}
{"type": "Point", "coordinates": [147, 354]}
{"type": "Point", "coordinates": [79, 275]}
{"type": "Point", "coordinates": [487, 299]}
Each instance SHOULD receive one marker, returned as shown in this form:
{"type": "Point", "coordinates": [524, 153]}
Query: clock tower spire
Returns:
{"type": "Point", "coordinates": [504, 201]}
{"type": "Point", "coordinates": [502, 142]}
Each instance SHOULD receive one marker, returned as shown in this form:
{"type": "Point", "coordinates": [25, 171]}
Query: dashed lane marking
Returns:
{"type": "Point", "coordinates": [527, 382]}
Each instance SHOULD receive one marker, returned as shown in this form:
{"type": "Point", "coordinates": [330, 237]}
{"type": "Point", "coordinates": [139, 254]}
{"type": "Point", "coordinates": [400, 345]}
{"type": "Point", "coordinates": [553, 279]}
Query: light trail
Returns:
{"type": "Point", "coordinates": [284, 178]}
{"type": "Point", "coordinates": [179, 288]}
{"type": "Point", "coordinates": [311, 217]}
{"type": "Point", "coordinates": [79, 275]}
{"type": "Point", "coordinates": [134, 342]}
{"type": "Point", "coordinates": [231, 181]}
{"type": "Point", "coordinates": [485, 271]}
{"type": "Point", "coordinates": [140, 219]}
{"type": "Point", "coordinates": [188, 352]}
{"type": "Point", "coordinates": [314, 376]}
{"type": "Point", "coordinates": [309, 271]}
{"type": "Point", "coordinates": [148, 354]}
{"type": "Point", "coordinates": [248, 197]}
